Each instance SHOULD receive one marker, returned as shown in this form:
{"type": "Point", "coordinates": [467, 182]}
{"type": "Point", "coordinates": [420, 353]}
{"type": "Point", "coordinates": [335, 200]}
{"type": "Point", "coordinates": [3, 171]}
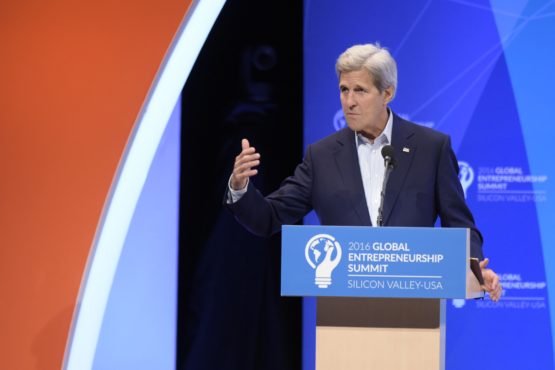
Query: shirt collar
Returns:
{"type": "Point", "coordinates": [383, 138]}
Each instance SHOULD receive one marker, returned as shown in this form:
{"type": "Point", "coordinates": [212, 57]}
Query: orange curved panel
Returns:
{"type": "Point", "coordinates": [74, 76]}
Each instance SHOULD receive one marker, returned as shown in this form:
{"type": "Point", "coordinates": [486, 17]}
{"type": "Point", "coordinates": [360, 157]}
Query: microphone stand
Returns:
{"type": "Point", "coordinates": [388, 169]}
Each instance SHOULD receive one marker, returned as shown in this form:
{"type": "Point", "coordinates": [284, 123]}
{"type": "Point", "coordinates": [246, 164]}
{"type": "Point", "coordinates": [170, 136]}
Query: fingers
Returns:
{"type": "Point", "coordinates": [243, 167]}
{"type": "Point", "coordinates": [495, 294]}
{"type": "Point", "coordinates": [495, 280]}
{"type": "Point", "coordinates": [244, 144]}
{"type": "Point", "coordinates": [491, 283]}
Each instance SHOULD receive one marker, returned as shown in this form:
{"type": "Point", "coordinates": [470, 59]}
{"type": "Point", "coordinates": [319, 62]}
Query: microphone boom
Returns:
{"type": "Point", "coordinates": [388, 154]}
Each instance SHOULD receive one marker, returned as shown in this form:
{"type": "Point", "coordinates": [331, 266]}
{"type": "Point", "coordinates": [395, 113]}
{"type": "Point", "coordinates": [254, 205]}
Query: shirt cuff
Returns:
{"type": "Point", "coordinates": [235, 195]}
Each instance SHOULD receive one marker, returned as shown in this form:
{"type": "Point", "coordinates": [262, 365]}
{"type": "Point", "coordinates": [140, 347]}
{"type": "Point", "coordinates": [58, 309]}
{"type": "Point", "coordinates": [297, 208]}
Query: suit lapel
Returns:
{"type": "Point", "coordinates": [404, 153]}
{"type": "Point", "coordinates": [346, 160]}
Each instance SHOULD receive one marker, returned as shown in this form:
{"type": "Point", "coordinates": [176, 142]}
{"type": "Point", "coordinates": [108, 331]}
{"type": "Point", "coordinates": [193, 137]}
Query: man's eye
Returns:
{"type": "Point", "coordinates": [360, 90]}
{"type": "Point", "coordinates": [344, 89]}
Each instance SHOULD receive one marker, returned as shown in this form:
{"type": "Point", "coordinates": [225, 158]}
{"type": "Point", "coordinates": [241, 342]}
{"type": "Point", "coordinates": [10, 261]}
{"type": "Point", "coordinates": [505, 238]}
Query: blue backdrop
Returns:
{"type": "Point", "coordinates": [482, 72]}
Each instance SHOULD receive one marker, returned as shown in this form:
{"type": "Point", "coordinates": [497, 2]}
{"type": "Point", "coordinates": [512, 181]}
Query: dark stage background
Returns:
{"type": "Point", "coordinates": [247, 82]}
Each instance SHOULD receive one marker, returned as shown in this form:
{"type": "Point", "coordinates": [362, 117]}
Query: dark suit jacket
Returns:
{"type": "Point", "coordinates": [423, 186]}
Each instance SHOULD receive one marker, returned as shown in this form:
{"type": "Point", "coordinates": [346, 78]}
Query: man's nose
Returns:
{"type": "Point", "coordinates": [350, 100]}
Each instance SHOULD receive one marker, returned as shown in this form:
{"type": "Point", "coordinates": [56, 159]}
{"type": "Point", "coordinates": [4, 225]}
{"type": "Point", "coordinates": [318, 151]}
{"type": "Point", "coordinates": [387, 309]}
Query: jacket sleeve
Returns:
{"type": "Point", "coordinates": [453, 210]}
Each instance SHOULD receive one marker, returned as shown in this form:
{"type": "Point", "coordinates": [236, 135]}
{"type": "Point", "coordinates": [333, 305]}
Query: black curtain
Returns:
{"type": "Point", "coordinates": [247, 82]}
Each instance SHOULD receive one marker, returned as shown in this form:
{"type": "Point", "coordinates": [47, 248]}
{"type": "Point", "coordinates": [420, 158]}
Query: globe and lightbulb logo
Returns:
{"type": "Point", "coordinates": [466, 176]}
{"type": "Point", "coordinates": [339, 120]}
{"type": "Point", "coordinates": [458, 303]}
{"type": "Point", "coordinates": [323, 254]}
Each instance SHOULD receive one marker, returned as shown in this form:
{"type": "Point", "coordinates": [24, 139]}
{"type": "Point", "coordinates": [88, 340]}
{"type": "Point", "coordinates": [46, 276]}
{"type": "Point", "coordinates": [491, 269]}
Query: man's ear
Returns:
{"type": "Point", "coordinates": [389, 92]}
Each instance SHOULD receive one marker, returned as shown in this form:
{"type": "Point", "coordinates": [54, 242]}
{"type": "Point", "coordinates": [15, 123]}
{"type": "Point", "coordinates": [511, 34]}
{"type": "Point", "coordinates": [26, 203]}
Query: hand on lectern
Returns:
{"type": "Point", "coordinates": [491, 281]}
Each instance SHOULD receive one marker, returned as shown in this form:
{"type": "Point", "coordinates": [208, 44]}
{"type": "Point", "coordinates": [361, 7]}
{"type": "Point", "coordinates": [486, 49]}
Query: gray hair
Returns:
{"type": "Point", "coordinates": [377, 61]}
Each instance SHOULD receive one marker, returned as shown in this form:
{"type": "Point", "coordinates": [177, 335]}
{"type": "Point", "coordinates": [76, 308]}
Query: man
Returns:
{"type": "Point", "coordinates": [341, 175]}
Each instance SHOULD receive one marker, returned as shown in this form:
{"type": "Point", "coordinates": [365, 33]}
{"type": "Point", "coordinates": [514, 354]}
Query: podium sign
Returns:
{"type": "Point", "coordinates": [359, 261]}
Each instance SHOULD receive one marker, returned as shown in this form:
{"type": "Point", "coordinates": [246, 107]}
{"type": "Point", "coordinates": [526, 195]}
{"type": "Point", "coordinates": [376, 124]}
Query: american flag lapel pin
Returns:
{"type": "Point", "coordinates": [406, 150]}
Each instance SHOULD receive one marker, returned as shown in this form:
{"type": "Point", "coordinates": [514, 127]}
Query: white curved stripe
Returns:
{"type": "Point", "coordinates": [128, 185]}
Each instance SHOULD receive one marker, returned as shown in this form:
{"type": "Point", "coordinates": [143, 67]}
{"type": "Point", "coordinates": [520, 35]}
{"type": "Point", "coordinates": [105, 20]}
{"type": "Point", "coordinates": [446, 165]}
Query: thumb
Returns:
{"type": "Point", "coordinates": [484, 263]}
{"type": "Point", "coordinates": [245, 144]}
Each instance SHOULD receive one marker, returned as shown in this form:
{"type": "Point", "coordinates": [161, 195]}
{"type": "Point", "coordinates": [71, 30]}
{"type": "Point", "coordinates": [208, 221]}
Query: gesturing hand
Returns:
{"type": "Point", "coordinates": [491, 281]}
{"type": "Point", "coordinates": [243, 168]}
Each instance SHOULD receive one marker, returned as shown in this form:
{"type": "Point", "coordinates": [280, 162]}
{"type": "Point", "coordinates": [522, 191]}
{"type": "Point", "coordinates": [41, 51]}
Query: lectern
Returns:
{"type": "Point", "coordinates": [381, 291]}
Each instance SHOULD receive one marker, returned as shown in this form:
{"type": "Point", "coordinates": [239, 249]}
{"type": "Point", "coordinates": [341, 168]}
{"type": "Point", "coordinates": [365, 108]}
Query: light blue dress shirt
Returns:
{"type": "Point", "coordinates": [372, 166]}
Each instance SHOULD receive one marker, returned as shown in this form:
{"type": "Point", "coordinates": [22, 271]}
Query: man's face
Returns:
{"type": "Point", "coordinates": [364, 107]}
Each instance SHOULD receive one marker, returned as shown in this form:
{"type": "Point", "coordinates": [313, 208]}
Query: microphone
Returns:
{"type": "Point", "coordinates": [388, 154]}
